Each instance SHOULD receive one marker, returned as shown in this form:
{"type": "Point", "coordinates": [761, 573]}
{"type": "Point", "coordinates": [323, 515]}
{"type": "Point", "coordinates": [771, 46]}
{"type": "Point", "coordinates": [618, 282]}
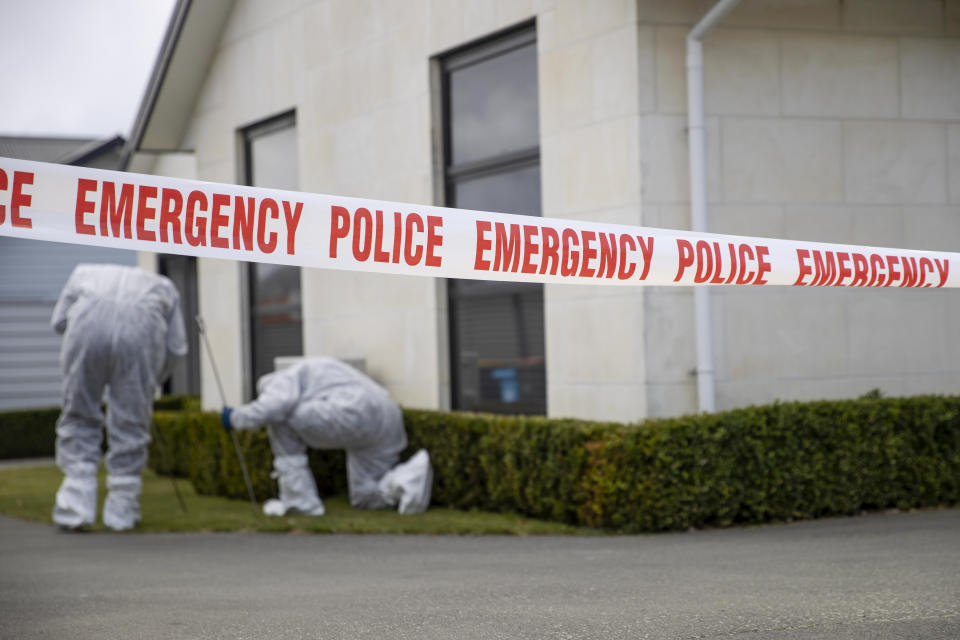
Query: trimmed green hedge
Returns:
{"type": "Point", "coordinates": [177, 403]}
{"type": "Point", "coordinates": [31, 433]}
{"type": "Point", "coordinates": [193, 445]}
{"type": "Point", "coordinates": [758, 464]}
{"type": "Point", "coordinates": [27, 433]}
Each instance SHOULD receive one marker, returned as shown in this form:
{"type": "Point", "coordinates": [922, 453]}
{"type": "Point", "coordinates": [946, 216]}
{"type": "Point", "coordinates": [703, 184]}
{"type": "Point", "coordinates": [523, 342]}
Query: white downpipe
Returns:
{"type": "Point", "coordinates": [696, 137]}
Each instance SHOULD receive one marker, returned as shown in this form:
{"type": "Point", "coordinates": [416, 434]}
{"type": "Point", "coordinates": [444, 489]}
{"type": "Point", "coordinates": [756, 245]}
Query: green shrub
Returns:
{"type": "Point", "coordinates": [192, 444]}
{"type": "Point", "coordinates": [177, 403]}
{"type": "Point", "coordinates": [31, 433]}
{"type": "Point", "coordinates": [759, 464]}
{"type": "Point", "coordinates": [28, 433]}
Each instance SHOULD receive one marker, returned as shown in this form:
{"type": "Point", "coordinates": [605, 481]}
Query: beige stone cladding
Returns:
{"type": "Point", "coordinates": [358, 76]}
{"type": "Point", "coordinates": [595, 76]}
{"type": "Point", "coordinates": [826, 121]}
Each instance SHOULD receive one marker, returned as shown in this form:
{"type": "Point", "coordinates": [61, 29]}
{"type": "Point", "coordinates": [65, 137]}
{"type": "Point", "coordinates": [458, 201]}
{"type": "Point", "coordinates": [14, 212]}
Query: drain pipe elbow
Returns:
{"type": "Point", "coordinates": [696, 139]}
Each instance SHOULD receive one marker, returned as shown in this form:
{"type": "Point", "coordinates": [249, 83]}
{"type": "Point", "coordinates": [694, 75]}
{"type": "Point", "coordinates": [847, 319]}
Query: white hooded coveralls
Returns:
{"type": "Point", "coordinates": [322, 403]}
{"type": "Point", "coordinates": [122, 328]}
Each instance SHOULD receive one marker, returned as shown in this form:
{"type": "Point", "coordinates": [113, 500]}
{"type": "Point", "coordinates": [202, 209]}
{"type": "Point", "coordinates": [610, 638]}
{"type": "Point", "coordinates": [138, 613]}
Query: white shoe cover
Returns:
{"type": "Point", "coordinates": [76, 504]}
{"type": "Point", "coordinates": [121, 510]}
{"type": "Point", "coordinates": [410, 484]}
{"type": "Point", "coordinates": [274, 507]}
{"type": "Point", "coordinates": [298, 489]}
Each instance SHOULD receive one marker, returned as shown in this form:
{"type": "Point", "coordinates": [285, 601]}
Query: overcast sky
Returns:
{"type": "Point", "coordinates": [76, 68]}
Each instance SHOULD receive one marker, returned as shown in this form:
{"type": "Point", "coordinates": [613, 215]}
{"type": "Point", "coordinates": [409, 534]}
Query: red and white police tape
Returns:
{"type": "Point", "coordinates": [79, 205]}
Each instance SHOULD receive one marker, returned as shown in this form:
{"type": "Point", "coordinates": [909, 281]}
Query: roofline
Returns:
{"type": "Point", "coordinates": [91, 149]}
{"type": "Point", "coordinates": [174, 28]}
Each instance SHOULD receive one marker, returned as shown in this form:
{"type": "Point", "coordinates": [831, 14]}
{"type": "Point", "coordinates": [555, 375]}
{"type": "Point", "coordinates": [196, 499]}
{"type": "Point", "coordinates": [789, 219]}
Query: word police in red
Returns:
{"type": "Point", "coordinates": [413, 238]}
{"type": "Point", "coordinates": [723, 263]}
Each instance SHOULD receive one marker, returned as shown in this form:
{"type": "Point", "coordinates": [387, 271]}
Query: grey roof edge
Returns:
{"type": "Point", "coordinates": [91, 149]}
{"type": "Point", "coordinates": [61, 149]}
{"type": "Point", "coordinates": [155, 83]}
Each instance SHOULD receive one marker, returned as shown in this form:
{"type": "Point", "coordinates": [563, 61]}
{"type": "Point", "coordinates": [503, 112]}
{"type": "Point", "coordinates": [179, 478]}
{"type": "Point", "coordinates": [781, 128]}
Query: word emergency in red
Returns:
{"type": "Point", "coordinates": [167, 215]}
{"type": "Point", "coordinates": [733, 263]}
{"type": "Point", "coordinates": [542, 249]}
{"type": "Point", "coordinates": [851, 269]}
{"type": "Point", "coordinates": [415, 238]}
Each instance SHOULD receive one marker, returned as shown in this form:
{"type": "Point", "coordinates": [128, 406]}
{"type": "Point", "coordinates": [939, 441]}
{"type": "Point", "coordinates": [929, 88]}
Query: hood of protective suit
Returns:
{"type": "Point", "coordinates": [99, 289]}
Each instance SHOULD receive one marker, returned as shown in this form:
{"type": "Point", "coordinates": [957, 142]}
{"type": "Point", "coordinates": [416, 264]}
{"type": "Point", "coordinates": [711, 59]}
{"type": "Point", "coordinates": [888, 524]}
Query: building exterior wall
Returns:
{"type": "Point", "coordinates": [591, 95]}
{"type": "Point", "coordinates": [358, 76]}
{"type": "Point", "coordinates": [826, 121]}
{"type": "Point", "coordinates": [32, 274]}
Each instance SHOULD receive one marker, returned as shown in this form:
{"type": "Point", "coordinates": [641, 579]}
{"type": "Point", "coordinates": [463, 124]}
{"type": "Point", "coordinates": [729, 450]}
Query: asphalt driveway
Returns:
{"type": "Point", "coordinates": [880, 576]}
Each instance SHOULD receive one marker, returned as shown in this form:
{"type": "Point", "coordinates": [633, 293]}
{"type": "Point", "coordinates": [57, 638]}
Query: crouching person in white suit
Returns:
{"type": "Point", "coordinates": [323, 403]}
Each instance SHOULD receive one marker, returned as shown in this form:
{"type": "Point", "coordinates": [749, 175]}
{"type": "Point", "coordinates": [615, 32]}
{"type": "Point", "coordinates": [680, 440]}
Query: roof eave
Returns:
{"type": "Point", "coordinates": [189, 45]}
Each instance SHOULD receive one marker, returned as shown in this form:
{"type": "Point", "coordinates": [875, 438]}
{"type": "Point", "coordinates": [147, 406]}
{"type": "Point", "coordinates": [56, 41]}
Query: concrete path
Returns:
{"type": "Point", "coordinates": [877, 577]}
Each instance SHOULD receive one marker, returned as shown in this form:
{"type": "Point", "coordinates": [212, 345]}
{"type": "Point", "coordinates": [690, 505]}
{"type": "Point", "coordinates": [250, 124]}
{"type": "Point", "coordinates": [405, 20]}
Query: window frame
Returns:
{"type": "Point", "coordinates": [247, 135]}
{"type": "Point", "coordinates": [448, 174]}
{"type": "Point", "coordinates": [464, 56]}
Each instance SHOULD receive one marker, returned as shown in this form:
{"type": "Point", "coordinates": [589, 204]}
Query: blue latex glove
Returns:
{"type": "Point", "coordinates": [225, 418]}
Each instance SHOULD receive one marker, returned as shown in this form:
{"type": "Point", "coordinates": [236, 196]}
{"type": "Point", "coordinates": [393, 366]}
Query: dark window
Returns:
{"type": "Point", "coordinates": [182, 270]}
{"type": "Point", "coordinates": [492, 163]}
{"type": "Point", "coordinates": [276, 327]}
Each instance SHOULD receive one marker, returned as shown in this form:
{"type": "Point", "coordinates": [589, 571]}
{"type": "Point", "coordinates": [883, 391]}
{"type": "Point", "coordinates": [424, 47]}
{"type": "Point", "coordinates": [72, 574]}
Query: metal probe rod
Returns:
{"type": "Point", "coordinates": [166, 463]}
{"type": "Point", "coordinates": [223, 402]}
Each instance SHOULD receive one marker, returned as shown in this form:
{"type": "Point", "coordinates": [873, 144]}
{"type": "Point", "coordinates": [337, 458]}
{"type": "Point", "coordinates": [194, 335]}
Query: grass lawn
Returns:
{"type": "Point", "coordinates": [28, 493]}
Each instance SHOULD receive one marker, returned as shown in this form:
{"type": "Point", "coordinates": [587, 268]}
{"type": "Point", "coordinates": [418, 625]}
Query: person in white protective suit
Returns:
{"type": "Point", "coordinates": [122, 329]}
{"type": "Point", "coordinates": [323, 403]}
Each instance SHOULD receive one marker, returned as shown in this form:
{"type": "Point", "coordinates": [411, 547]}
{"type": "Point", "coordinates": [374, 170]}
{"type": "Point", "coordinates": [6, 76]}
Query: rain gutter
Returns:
{"type": "Point", "coordinates": [706, 384]}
